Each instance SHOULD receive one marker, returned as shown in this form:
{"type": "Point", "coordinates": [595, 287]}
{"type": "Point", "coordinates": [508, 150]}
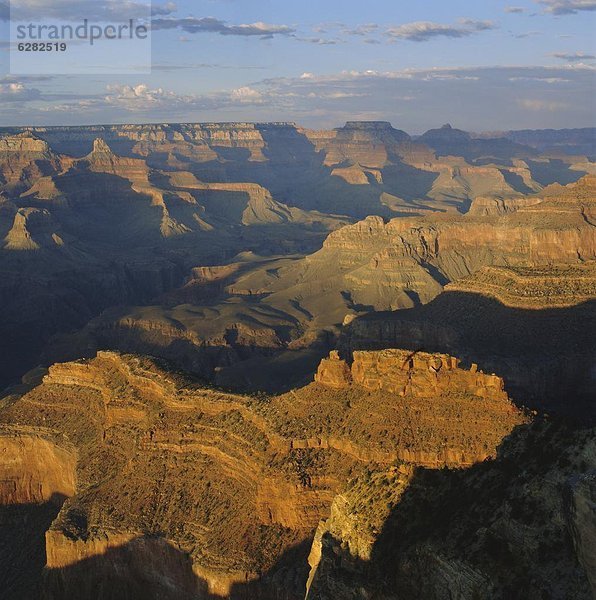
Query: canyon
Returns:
{"type": "Point", "coordinates": [288, 312]}
{"type": "Point", "coordinates": [113, 216]}
{"type": "Point", "coordinates": [260, 361]}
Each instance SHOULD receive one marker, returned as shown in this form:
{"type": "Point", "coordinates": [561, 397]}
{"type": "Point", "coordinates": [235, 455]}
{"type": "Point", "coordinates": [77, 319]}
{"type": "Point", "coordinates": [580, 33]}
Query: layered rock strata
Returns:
{"type": "Point", "coordinates": [211, 489]}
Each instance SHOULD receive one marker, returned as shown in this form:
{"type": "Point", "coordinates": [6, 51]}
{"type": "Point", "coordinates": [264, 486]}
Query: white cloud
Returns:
{"type": "Point", "coordinates": [317, 40]}
{"type": "Point", "coordinates": [144, 99]}
{"type": "Point", "coordinates": [246, 94]}
{"type": "Point", "coordinates": [361, 30]}
{"type": "Point", "coordinates": [163, 9]}
{"type": "Point", "coordinates": [16, 91]}
{"type": "Point", "coordinates": [326, 27]}
{"type": "Point", "coordinates": [213, 25]}
{"type": "Point", "coordinates": [141, 97]}
{"type": "Point", "coordinates": [567, 7]}
{"type": "Point", "coordinates": [422, 31]}
{"type": "Point", "coordinates": [549, 80]}
{"type": "Point", "coordinates": [526, 34]}
{"type": "Point", "coordinates": [573, 57]}
{"type": "Point", "coordinates": [337, 95]}
{"type": "Point", "coordinates": [450, 76]}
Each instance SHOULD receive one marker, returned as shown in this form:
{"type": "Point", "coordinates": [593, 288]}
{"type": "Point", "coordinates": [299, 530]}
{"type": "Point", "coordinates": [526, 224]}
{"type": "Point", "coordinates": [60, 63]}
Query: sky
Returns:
{"type": "Point", "coordinates": [481, 66]}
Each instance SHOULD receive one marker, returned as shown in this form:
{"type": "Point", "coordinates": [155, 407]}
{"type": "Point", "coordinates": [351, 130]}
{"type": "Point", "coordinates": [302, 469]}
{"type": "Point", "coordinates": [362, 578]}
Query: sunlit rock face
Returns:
{"type": "Point", "coordinates": [37, 474]}
{"type": "Point", "coordinates": [34, 468]}
{"type": "Point", "coordinates": [404, 372]}
{"type": "Point", "coordinates": [213, 489]}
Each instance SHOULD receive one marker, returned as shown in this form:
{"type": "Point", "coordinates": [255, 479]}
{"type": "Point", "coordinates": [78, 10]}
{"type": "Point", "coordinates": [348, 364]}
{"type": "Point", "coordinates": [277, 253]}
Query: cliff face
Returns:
{"type": "Point", "coordinates": [213, 489]}
{"type": "Point", "coordinates": [533, 325]}
{"type": "Point", "coordinates": [34, 468]}
{"type": "Point", "coordinates": [372, 143]}
{"type": "Point", "coordinates": [539, 256]}
{"type": "Point", "coordinates": [490, 207]}
{"type": "Point", "coordinates": [404, 373]}
{"type": "Point", "coordinates": [24, 158]}
{"type": "Point", "coordinates": [471, 533]}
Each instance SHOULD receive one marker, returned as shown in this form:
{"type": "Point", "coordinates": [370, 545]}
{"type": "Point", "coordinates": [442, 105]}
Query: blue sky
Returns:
{"type": "Point", "coordinates": [487, 65]}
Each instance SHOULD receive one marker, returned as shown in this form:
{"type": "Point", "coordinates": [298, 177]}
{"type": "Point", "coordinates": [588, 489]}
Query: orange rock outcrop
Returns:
{"type": "Point", "coordinates": [405, 372]}
{"type": "Point", "coordinates": [229, 482]}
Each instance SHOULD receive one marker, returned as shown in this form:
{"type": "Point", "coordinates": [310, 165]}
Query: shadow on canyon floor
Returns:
{"type": "Point", "coordinates": [547, 357]}
{"type": "Point", "coordinates": [22, 547]}
{"type": "Point", "coordinates": [498, 529]}
{"type": "Point", "coordinates": [150, 568]}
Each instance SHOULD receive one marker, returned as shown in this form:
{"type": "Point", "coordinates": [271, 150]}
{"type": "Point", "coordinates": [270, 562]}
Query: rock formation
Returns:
{"type": "Point", "coordinates": [230, 482]}
{"type": "Point", "coordinates": [436, 285]}
{"type": "Point", "coordinates": [32, 229]}
{"type": "Point", "coordinates": [404, 372]}
{"type": "Point", "coordinates": [489, 207]}
{"type": "Point", "coordinates": [24, 159]}
{"type": "Point", "coordinates": [372, 265]}
{"type": "Point", "coordinates": [412, 533]}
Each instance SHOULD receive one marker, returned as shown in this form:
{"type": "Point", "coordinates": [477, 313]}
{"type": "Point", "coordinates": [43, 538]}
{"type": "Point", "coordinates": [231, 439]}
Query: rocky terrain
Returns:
{"type": "Point", "coordinates": [508, 528]}
{"type": "Point", "coordinates": [96, 217]}
{"type": "Point", "coordinates": [286, 313]}
{"type": "Point", "coordinates": [209, 490]}
{"type": "Point", "coordinates": [258, 361]}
